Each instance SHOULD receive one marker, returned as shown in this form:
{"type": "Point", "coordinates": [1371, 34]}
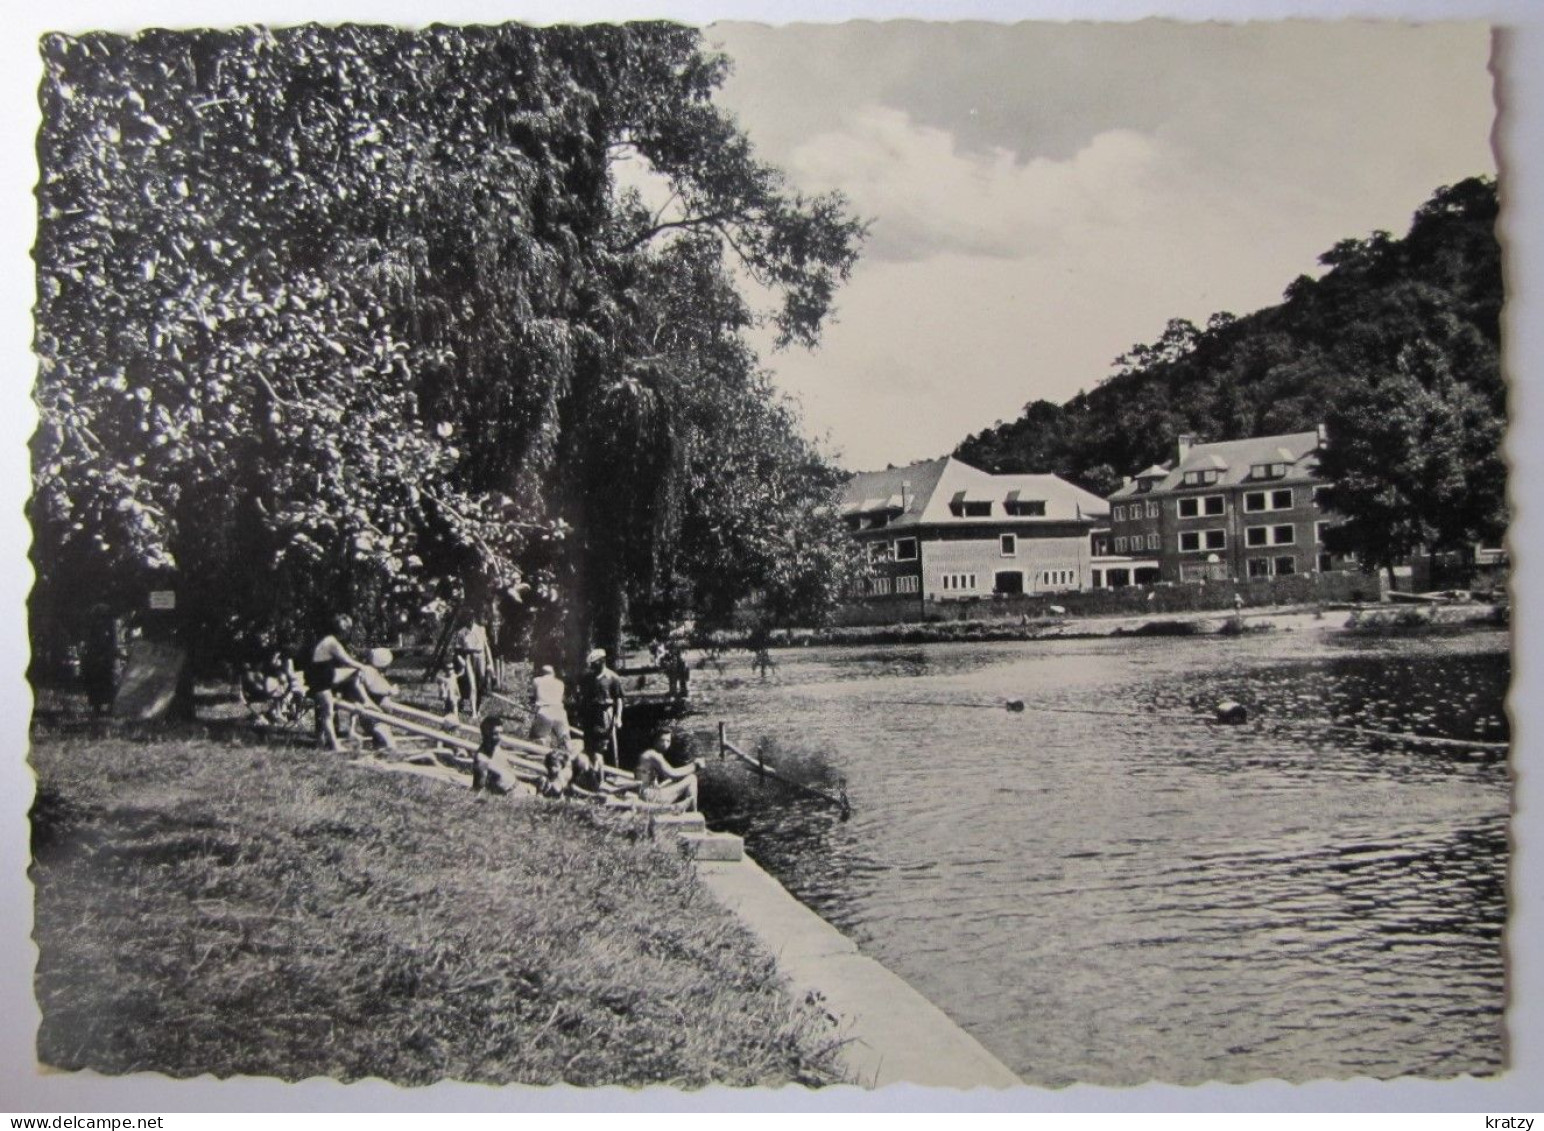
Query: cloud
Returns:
{"type": "Point", "coordinates": [928, 197]}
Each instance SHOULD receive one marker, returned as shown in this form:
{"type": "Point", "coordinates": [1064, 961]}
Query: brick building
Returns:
{"type": "Point", "coordinates": [1238, 509]}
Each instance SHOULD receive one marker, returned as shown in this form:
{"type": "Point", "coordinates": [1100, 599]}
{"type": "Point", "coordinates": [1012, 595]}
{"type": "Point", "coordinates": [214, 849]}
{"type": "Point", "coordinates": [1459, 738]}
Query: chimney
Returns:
{"type": "Point", "coordinates": [1184, 443]}
{"type": "Point", "coordinates": [1324, 436]}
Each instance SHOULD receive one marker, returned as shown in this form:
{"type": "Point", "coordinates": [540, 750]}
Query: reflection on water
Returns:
{"type": "Point", "coordinates": [1139, 893]}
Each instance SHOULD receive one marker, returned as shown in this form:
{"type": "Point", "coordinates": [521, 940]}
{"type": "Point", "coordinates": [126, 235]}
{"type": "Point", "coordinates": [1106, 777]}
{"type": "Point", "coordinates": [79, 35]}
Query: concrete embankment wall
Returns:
{"type": "Point", "coordinates": [893, 1034]}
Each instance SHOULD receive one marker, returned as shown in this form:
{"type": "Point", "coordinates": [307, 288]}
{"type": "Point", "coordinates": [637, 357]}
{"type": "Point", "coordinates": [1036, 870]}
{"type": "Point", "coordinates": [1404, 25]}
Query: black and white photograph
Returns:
{"type": "Point", "coordinates": [972, 555]}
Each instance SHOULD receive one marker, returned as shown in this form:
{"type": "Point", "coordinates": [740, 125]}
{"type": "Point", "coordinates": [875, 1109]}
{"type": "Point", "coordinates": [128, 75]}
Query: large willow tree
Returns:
{"type": "Point", "coordinates": [359, 317]}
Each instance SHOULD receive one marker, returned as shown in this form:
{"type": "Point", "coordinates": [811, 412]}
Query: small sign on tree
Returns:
{"type": "Point", "coordinates": [163, 600]}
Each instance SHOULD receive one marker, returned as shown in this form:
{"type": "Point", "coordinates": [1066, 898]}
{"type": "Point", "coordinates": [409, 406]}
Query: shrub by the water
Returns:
{"type": "Point", "coordinates": [209, 907]}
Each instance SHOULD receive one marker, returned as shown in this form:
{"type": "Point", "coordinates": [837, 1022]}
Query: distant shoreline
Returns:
{"type": "Point", "coordinates": [1374, 620]}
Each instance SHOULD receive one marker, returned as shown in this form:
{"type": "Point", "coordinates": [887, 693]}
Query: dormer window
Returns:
{"type": "Point", "coordinates": [975, 509]}
{"type": "Point", "coordinates": [1268, 471]}
{"type": "Point", "coordinates": [1202, 477]}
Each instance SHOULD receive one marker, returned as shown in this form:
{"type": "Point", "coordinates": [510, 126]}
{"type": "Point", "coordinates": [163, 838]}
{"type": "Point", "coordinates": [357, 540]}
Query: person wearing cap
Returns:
{"type": "Point", "coordinates": [601, 700]}
{"type": "Point", "coordinates": [370, 688]}
{"type": "Point", "coordinates": [660, 783]}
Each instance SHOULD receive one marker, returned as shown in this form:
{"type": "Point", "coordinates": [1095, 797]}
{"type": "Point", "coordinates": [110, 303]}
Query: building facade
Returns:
{"type": "Point", "coordinates": [1234, 510]}
{"type": "Point", "coordinates": [942, 530]}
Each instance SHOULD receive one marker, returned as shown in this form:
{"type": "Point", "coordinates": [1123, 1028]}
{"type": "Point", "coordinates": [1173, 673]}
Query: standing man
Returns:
{"type": "Point", "coordinates": [549, 718]}
{"type": "Point", "coordinates": [327, 669]}
{"type": "Point", "coordinates": [600, 697]}
{"type": "Point", "coordinates": [476, 656]}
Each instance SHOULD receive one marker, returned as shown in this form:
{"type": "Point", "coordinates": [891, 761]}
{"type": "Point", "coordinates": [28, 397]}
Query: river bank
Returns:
{"type": "Point", "coordinates": [209, 905]}
{"type": "Point", "coordinates": [1199, 623]}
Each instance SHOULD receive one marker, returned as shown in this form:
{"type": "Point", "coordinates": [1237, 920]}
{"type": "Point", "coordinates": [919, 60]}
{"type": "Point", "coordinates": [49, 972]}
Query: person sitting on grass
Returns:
{"type": "Point", "coordinates": [369, 688]}
{"type": "Point", "coordinates": [485, 775]}
{"type": "Point", "coordinates": [560, 773]}
{"type": "Point", "coordinates": [272, 693]}
{"type": "Point", "coordinates": [659, 782]}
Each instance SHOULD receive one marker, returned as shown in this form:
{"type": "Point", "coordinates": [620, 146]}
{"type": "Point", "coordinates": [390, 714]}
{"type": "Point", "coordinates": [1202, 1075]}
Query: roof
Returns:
{"type": "Point", "coordinates": [1236, 459]}
{"type": "Point", "coordinates": [933, 490]}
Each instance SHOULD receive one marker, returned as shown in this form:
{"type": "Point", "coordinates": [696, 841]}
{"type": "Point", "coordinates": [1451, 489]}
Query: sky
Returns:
{"type": "Point", "coordinates": [1045, 195]}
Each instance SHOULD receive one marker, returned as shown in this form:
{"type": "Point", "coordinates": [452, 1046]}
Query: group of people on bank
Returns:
{"type": "Point", "coordinates": [330, 673]}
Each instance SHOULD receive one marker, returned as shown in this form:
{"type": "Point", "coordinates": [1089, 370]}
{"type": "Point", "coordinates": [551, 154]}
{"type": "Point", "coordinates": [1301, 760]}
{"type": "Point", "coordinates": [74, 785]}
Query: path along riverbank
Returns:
{"type": "Point", "coordinates": [889, 1032]}
{"type": "Point", "coordinates": [892, 1034]}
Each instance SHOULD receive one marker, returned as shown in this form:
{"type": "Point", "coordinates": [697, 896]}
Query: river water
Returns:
{"type": "Point", "coordinates": [1108, 889]}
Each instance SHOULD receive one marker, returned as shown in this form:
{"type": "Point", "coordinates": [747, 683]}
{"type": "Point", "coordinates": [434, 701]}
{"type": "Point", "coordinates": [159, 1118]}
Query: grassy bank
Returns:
{"type": "Point", "coordinates": [1426, 620]}
{"type": "Point", "coordinates": [210, 905]}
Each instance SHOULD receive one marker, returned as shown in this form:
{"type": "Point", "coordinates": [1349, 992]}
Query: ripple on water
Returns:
{"type": "Point", "coordinates": [1115, 898]}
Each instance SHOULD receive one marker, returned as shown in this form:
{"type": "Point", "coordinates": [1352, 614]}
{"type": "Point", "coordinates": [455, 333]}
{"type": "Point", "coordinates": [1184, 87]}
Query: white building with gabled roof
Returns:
{"type": "Point", "coordinates": [942, 530]}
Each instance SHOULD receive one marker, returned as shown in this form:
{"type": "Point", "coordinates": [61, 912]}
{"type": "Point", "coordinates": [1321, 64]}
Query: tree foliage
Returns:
{"type": "Point", "coordinates": [1277, 369]}
{"type": "Point", "coordinates": [359, 316]}
{"type": "Point", "coordinates": [1396, 347]}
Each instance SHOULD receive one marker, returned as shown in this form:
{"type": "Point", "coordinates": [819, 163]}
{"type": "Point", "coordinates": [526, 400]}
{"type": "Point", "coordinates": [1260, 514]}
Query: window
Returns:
{"type": "Point", "coordinates": [1203, 478]}
{"type": "Point", "coordinates": [1009, 544]}
{"type": "Point", "coordinates": [1026, 508]}
{"type": "Point", "coordinates": [1216, 539]}
{"type": "Point", "coordinates": [1257, 535]}
{"type": "Point", "coordinates": [1318, 532]}
{"type": "Point", "coordinates": [1283, 535]}
{"type": "Point", "coordinates": [1257, 501]}
{"type": "Point", "coordinates": [978, 510]}
{"type": "Point", "coordinates": [1152, 541]}
{"type": "Point", "coordinates": [1326, 564]}
{"type": "Point", "coordinates": [907, 584]}
{"type": "Point", "coordinates": [959, 582]}
{"type": "Point", "coordinates": [1267, 471]}
{"type": "Point", "coordinates": [879, 552]}
{"type": "Point", "coordinates": [1152, 510]}
{"type": "Point", "coordinates": [1321, 496]}
{"type": "Point", "coordinates": [1210, 505]}
{"type": "Point", "coordinates": [1120, 545]}
{"type": "Point", "coordinates": [905, 549]}
{"type": "Point", "coordinates": [1189, 540]}
{"type": "Point", "coordinates": [1259, 567]}
{"type": "Point", "coordinates": [1285, 566]}
{"type": "Point", "coordinates": [1120, 514]}
{"type": "Point", "coordinates": [880, 586]}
